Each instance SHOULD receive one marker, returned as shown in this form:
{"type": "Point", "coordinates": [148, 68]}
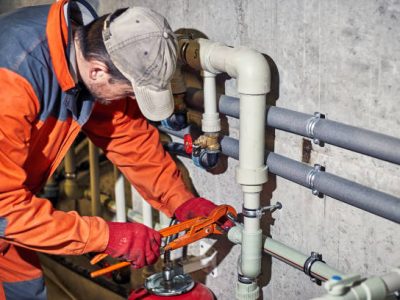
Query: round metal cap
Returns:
{"type": "Point", "coordinates": [180, 284]}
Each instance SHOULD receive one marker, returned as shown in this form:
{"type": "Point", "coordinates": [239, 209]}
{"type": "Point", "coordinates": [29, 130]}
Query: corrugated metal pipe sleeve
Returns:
{"type": "Point", "coordinates": [365, 198]}
{"type": "Point", "coordinates": [317, 128]}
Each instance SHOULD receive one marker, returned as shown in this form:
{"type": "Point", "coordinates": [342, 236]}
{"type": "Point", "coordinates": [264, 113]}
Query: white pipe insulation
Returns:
{"type": "Point", "coordinates": [252, 73]}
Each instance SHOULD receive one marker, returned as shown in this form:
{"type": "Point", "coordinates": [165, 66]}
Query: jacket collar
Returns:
{"type": "Point", "coordinates": [59, 36]}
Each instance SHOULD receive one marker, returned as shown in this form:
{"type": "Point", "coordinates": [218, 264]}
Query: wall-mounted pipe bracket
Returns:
{"type": "Point", "coordinates": [258, 213]}
{"type": "Point", "coordinates": [311, 123]}
{"type": "Point", "coordinates": [311, 179]}
{"type": "Point", "coordinates": [314, 257]}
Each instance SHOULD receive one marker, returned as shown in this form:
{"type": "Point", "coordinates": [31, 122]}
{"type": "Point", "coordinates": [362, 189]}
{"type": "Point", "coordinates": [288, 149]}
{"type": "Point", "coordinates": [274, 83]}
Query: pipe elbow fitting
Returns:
{"type": "Point", "coordinates": [207, 50]}
{"type": "Point", "coordinates": [248, 66]}
{"type": "Point", "coordinates": [252, 71]}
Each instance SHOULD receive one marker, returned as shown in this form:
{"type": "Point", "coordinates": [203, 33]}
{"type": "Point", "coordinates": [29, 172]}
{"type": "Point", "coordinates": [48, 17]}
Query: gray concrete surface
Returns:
{"type": "Point", "coordinates": [341, 58]}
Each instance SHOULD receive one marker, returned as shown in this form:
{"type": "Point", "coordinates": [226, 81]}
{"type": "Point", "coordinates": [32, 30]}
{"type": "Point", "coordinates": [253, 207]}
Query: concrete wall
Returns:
{"type": "Point", "coordinates": [341, 58]}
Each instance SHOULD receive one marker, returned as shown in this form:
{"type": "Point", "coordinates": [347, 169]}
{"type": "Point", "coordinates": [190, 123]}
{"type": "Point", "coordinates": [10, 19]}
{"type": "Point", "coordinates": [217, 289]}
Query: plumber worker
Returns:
{"type": "Point", "coordinates": [63, 71]}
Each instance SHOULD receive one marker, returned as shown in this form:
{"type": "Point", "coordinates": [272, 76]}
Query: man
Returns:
{"type": "Point", "coordinates": [58, 77]}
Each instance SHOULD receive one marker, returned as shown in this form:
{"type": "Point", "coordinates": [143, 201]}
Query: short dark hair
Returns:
{"type": "Point", "coordinates": [91, 42]}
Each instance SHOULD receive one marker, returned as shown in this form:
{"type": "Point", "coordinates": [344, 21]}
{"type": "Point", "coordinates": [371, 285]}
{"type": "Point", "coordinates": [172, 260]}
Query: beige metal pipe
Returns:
{"type": "Point", "coordinates": [94, 179]}
{"type": "Point", "coordinates": [71, 188]}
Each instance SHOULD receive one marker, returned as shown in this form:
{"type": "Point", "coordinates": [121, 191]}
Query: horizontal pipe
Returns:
{"type": "Point", "coordinates": [357, 195]}
{"type": "Point", "coordinates": [288, 255]}
{"type": "Point", "coordinates": [348, 137]}
{"type": "Point", "coordinates": [365, 198]}
{"type": "Point", "coordinates": [296, 259]}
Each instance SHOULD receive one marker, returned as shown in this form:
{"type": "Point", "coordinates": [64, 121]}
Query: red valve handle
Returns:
{"type": "Point", "coordinates": [188, 143]}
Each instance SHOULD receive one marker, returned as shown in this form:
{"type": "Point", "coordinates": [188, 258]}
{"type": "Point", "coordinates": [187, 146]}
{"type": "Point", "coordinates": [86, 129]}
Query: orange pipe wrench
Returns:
{"type": "Point", "coordinates": [196, 229]}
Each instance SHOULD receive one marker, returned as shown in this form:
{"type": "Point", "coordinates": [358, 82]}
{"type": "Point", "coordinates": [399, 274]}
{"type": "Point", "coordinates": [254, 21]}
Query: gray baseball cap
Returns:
{"type": "Point", "coordinates": [143, 47]}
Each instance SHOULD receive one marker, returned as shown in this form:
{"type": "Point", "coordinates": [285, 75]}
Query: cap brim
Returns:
{"type": "Point", "coordinates": [155, 105]}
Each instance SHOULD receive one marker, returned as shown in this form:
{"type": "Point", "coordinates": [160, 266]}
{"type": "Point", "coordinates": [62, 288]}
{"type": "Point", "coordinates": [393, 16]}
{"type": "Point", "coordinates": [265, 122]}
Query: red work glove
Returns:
{"type": "Point", "coordinates": [198, 207]}
{"type": "Point", "coordinates": [134, 242]}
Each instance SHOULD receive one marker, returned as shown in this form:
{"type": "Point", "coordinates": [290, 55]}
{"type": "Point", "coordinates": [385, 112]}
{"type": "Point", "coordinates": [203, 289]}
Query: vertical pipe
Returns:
{"type": "Point", "coordinates": [147, 211]}
{"type": "Point", "coordinates": [164, 220]}
{"type": "Point", "coordinates": [133, 198]}
{"type": "Point", "coordinates": [94, 179]}
{"type": "Point", "coordinates": [251, 173]}
{"type": "Point", "coordinates": [210, 122]}
{"type": "Point", "coordinates": [253, 75]}
{"type": "Point", "coordinates": [71, 188]}
{"type": "Point", "coordinates": [119, 197]}
{"type": "Point", "coordinates": [69, 162]}
{"type": "Point", "coordinates": [252, 131]}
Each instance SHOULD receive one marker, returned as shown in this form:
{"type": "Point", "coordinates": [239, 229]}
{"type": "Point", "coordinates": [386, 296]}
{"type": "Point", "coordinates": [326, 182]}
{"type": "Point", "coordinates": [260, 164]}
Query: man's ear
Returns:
{"type": "Point", "coordinates": [98, 71]}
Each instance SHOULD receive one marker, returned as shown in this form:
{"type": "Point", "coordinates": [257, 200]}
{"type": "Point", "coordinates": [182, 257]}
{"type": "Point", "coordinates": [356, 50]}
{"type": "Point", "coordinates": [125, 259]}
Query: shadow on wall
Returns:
{"type": "Point", "coordinates": [270, 186]}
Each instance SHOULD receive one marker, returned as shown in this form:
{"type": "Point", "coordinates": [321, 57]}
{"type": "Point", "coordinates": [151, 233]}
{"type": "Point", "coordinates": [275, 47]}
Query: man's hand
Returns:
{"type": "Point", "coordinates": [198, 207]}
{"type": "Point", "coordinates": [134, 242]}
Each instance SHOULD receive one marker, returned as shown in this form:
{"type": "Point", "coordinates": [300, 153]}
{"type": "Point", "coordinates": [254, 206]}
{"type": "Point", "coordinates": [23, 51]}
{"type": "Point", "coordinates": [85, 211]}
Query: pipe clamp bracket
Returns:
{"type": "Point", "coordinates": [311, 179]}
{"type": "Point", "coordinates": [314, 257]}
{"type": "Point", "coordinates": [258, 213]}
{"type": "Point", "coordinates": [311, 123]}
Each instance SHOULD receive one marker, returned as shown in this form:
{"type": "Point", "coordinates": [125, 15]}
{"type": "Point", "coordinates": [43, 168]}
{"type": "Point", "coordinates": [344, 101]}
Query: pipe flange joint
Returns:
{"type": "Point", "coordinates": [310, 127]}
{"type": "Point", "coordinates": [311, 176]}
{"type": "Point", "coordinates": [314, 257]}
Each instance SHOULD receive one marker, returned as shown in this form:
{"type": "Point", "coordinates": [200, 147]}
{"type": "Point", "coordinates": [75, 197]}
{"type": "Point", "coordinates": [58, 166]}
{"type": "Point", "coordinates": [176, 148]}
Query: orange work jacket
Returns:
{"type": "Point", "coordinates": [41, 113]}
